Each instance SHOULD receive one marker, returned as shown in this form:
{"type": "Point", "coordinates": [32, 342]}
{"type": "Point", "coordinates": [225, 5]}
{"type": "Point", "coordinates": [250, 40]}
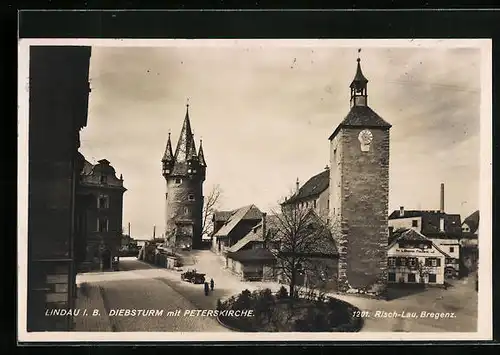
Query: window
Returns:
{"type": "Point", "coordinates": [403, 261]}
{"type": "Point", "coordinates": [432, 278]}
{"type": "Point", "coordinates": [186, 210]}
{"type": "Point", "coordinates": [391, 262]}
{"type": "Point", "coordinates": [314, 203]}
{"type": "Point", "coordinates": [412, 262]}
{"type": "Point", "coordinates": [391, 277]}
{"type": "Point", "coordinates": [102, 225]}
{"type": "Point", "coordinates": [452, 249]}
{"type": "Point", "coordinates": [432, 262]}
{"type": "Point", "coordinates": [103, 201]}
{"type": "Point", "coordinates": [411, 278]}
{"type": "Point", "coordinates": [414, 223]}
{"type": "Point", "coordinates": [191, 197]}
{"type": "Point", "coordinates": [104, 179]}
{"type": "Point", "coordinates": [178, 181]}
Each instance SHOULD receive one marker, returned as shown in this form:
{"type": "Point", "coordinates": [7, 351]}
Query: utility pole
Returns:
{"type": "Point", "coordinates": [129, 230]}
{"type": "Point", "coordinates": [154, 232]}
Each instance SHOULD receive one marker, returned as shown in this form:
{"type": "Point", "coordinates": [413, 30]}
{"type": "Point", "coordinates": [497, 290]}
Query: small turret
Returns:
{"type": "Point", "coordinates": [168, 158]}
{"type": "Point", "coordinates": [201, 156]}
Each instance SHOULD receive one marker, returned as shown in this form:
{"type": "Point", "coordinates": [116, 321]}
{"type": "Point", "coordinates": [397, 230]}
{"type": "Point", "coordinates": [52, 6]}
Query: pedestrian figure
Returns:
{"type": "Point", "coordinates": [212, 284]}
{"type": "Point", "coordinates": [206, 288]}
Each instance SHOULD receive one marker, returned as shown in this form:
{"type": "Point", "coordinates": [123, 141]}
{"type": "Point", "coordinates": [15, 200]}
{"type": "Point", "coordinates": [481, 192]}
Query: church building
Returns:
{"type": "Point", "coordinates": [184, 173]}
{"type": "Point", "coordinates": [359, 192]}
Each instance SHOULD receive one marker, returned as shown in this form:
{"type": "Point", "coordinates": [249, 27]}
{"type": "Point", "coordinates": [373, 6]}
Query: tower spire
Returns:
{"type": "Point", "coordinates": [184, 143]}
{"type": "Point", "coordinates": [168, 156]}
{"type": "Point", "coordinates": [359, 93]}
{"type": "Point", "coordinates": [201, 155]}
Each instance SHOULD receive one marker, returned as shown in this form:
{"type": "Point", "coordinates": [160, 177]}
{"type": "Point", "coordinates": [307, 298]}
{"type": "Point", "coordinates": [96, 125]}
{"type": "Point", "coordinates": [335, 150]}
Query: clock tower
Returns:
{"type": "Point", "coordinates": [359, 192]}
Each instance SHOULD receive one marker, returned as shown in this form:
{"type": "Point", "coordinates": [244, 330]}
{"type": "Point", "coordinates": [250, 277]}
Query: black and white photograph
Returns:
{"type": "Point", "coordinates": [201, 190]}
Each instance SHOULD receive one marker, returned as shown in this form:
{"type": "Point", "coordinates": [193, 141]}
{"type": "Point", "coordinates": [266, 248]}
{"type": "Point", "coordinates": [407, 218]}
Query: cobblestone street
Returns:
{"type": "Point", "coordinates": [139, 285]}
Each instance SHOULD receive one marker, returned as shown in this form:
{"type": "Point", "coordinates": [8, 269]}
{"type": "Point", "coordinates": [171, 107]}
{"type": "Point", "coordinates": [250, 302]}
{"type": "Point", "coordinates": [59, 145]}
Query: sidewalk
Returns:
{"type": "Point", "coordinates": [90, 299]}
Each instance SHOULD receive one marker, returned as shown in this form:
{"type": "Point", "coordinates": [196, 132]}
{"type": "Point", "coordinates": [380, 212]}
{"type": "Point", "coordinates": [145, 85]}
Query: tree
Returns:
{"type": "Point", "coordinates": [300, 233]}
{"type": "Point", "coordinates": [210, 205]}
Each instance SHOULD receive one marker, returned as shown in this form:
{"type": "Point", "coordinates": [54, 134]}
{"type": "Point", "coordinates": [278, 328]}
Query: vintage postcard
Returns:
{"type": "Point", "coordinates": [297, 190]}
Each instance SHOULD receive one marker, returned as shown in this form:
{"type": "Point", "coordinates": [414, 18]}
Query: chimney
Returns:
{"type": "Point", "coordinates": [327, 167]}
{"type": "Point", "coordinates": [441, 206]}
{"type": "Point", "coordinates": [401, 211]}
{"type": "Point", "coordinates": [441, 222]}
{"type": "Point", "coordinates": [264, 226]}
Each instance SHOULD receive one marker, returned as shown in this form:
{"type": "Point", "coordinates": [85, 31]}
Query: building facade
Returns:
{"type": "Point", "coordinates": [58, 105]}
{"type": "Point", "coordinates": [231, 227]}
{"type": "Point", "coordinates": [184, 172]}
{"type": "Point", "coordinates": [101, 218]}
{"type": "Point", "coordinates": [315, 194]}
{"type": "Point", "coordinates": [359, 192]}
{"type": "Point", "coordinates": [413, 258]}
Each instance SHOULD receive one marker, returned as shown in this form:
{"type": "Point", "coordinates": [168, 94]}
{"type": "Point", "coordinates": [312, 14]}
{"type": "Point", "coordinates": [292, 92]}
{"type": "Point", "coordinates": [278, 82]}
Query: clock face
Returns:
{"type": "Point", "coordinates": [365, 137]}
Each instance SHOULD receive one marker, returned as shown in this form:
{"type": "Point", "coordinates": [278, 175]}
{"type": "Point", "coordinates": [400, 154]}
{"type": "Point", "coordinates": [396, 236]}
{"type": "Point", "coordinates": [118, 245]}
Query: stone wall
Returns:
{"type": "Point", "coordinates": [361, 191]}
{"type": "Point", "coordinates": [180, 208]}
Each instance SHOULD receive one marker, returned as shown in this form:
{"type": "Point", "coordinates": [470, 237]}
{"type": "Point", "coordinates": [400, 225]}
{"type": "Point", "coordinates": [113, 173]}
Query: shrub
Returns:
{"type": "Point", "coordinates": [282, 293]}
{"type": "Point", "coordinates": [244, 300]}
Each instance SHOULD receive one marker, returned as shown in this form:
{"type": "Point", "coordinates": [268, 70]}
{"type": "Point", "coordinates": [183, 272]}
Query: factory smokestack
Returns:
{"type": "Point", "coordinates": [441, 205]}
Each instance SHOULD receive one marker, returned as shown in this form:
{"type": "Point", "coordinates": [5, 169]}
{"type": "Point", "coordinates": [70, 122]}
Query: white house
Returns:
{"type": "Point", "coordinates": [413, 258]}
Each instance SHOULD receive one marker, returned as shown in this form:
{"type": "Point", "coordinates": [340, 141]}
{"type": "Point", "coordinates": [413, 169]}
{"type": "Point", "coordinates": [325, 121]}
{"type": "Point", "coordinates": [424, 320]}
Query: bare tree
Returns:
{"type": "Point", "coordinates": [210, 205]}
{"type": "Point", "coordinates": [300, 233]}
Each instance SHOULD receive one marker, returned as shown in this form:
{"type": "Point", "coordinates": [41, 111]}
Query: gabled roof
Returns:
{"type": "Point", "coordinates": [361, 117]}
{"type": "Point", "coordinates": [250, 212]}
{"type": "Point", "coordinates": [252, 255]}
{"type": "Point", "coordinates": [313, 187]}
{"type": "Point", "coordinates": [252, 236]}
{"type": "Point", "coordinates": [473, 221]}
{"type": "Point", "coordinates": [413, 235]}
{"type": "Point", "coordinates": [431, 221]}
{"type": "Point", "coordinates": [221, 216]}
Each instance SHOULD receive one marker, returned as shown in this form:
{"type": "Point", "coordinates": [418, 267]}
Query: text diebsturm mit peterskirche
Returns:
{"type": "Point", "coordinates": [125, 312]}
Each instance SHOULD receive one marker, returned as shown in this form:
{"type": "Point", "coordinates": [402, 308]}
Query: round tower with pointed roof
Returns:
{"type": "Point", "coordinates": [184, 172]}
{"type": "Point", "coordinates": [359, 191]}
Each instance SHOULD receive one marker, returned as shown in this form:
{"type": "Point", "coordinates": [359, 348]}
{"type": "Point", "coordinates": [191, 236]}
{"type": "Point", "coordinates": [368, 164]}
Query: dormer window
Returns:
{"type": "Point", "coordinates": [103, 201]}
{"type": "Point", "coordinates": [103, 179]}
{"type": "Point", "coordinates": [190, 197]}
{"type": "Point", "coordinates": [178, 181]}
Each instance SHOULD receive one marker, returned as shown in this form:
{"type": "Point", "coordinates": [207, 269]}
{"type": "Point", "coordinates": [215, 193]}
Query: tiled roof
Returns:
{"type": "Point", "coordinates": [313, 187]}
{"type": "Point", "coordinates": [250, 255]}
{"type": "Point", "coordinates": [473, 221]}
{"type": "Point", "coordinates": [361, 116]}
{"type": "Point", "coordinates": [250, 212]}
{"type": "Point", "coordinates": [252, 236]}
{"type": "Point", "coordinates": [431, 221]}
{"type": "Point", "coordinates": [221, 216]}
{"type": "Point", "coordinates": [413, 235]}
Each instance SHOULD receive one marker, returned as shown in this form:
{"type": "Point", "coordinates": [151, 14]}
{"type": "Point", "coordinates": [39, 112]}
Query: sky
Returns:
{"type": "Point", "coordinates": [265, 113]}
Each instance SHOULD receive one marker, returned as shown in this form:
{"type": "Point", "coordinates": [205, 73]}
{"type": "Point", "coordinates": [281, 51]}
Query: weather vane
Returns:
{"type": "Point", "coordinates": [359, 51]}
{"type": "Point", "coordinates": [187, 102]}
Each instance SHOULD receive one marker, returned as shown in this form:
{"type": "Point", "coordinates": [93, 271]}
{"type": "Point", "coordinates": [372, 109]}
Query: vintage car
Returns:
{"type": "Point", "coordinates": [193, 276]}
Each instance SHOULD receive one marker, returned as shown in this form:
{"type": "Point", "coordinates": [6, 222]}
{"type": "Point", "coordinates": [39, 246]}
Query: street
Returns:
{"type": "Point", "coordinates": [138, 285]}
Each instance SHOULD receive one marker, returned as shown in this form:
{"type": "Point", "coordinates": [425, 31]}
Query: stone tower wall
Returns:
{"type": "Point", "coordinates": [180, 208]}
{"type": "Point", "coordinates": [360, 196]}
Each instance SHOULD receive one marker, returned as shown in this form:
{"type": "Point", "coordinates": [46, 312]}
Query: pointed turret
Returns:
{"type": "Point", "coordinates": [168, 156]}
{"type": "Point", "coordinates": [192, 150]}
{"type": "Point", "coordinates": [185, 140]}
{"type": "Point", "coordinates": [201, 156]}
